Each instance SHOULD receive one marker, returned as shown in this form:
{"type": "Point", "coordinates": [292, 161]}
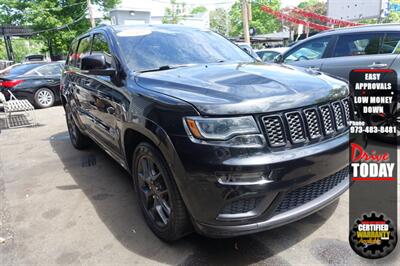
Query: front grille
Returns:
{"type": "Point", "coordinates": [308, 124]}
{"type": "Point", "coordinates": [327, 119]}
{"type": "Point", "coordinates": [295, 127]}
{"type": "Point", "coordinates": [275, 130]}
{"type": "Point", "coordinates": [313, 123]}
{"type": "Point", "coordinates": [309, 192]}
{"type": "Point", "coordinates": [241, 206]}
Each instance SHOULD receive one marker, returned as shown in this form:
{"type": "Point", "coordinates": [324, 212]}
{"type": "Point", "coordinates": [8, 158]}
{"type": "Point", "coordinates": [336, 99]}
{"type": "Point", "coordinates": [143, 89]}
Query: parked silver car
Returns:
{"type": "Point", "coordinates": [339, 51]}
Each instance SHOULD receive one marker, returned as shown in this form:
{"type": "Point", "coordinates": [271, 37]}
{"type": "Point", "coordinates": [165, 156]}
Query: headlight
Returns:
{"type": "Point", "coordinates": [220, 128]}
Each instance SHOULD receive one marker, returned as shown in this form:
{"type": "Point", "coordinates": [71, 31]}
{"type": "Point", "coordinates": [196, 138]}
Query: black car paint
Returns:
{"type": "Point", "coordinates": [31, 83]}
{"type": "Point", "coordinates": [151, 106]}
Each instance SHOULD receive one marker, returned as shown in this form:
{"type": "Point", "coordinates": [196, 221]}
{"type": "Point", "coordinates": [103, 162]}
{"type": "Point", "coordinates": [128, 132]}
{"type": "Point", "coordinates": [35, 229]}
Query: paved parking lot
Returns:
{"type": "Point", "coordinates": [63, 206]}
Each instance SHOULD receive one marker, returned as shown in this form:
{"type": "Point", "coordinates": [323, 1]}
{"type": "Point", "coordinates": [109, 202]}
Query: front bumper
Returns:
{"type": "Point", "coordinates": [223, 209]}
{"type": "Point", "coordinates": [278, 219]}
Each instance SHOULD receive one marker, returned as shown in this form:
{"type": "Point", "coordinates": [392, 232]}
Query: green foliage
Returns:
{"type": "Point", "coordinates": [263, 22]}
{"type": "Point", "coordinates": [219, 21]}
{"type": "Point", "coordinates": [49, 14]}
{"type": "Point", "coordinates": [173, 14]}
{"type": "Point", "coordinates": [198, 10]}
{"type": "Point", "coordinates": [22, 48]}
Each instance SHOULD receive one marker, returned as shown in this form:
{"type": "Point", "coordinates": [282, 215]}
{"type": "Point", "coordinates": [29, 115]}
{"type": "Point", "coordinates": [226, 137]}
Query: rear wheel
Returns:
{"type": "Point", "coordinates": [78, 140]}
{"type": "Point", "coordinates": [158, 196]}
{"type": "Point", "coordinates": [44, 98]}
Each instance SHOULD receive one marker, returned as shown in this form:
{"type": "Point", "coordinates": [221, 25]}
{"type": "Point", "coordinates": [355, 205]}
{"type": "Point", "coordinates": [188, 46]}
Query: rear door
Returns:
{"type": "Point", "coordinates": [309, 53]}
{"type": "Point", "coordinates": [361, 50]}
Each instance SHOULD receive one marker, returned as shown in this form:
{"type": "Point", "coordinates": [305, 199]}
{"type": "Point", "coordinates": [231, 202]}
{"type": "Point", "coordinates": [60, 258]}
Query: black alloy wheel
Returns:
{"type": "Point", "coordinates": [159, 199]}
{"type": "Point", "coordinates": [154, 191]}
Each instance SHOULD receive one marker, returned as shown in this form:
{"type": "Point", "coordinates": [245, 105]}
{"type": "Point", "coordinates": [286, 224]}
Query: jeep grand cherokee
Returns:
{"type": "Point", "coordinates": [214, 139]}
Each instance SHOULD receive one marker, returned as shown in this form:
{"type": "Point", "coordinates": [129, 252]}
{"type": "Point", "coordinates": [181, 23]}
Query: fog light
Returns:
{"type": "Point", "coordinates": [255, 178]}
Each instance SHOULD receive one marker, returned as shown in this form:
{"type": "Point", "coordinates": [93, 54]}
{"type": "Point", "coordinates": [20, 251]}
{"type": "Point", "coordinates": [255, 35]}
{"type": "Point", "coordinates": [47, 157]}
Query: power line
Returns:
{"type": "Point", "coordinates": [60, 27]}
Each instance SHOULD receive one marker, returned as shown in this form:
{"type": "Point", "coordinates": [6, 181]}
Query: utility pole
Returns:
{"type": "Point", "coordinates": [245, 17]}
{"type": "Point", "coordinates": [91, 18]}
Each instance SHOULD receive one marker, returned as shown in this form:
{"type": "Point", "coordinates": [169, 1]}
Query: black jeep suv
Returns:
{"type": "Point", "coordinates": [214, 140]}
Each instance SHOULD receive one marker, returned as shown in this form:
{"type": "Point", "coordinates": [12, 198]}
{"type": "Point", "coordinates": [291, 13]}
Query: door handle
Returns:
{"type": "Point", "coordinates": [110, 110]}
{"type": "Point", "coordinates": [314, 68]}
{"type": "Point", "coordinates": [377, 65]}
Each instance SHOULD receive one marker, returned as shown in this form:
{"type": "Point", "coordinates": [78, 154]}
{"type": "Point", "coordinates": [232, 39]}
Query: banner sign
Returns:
{"type": "Point", "coordinates": [373, 162]}
{"type": "Point", "coordinates": [337, 22]}
{"type": "Point", "coordinates": [283, 16]}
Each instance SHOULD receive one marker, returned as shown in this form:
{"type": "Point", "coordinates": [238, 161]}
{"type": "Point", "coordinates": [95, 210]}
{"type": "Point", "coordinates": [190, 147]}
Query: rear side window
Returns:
{"type": "Point", "coordinates": [100, 46]}
{"type": "Point", "coordinates": [391, 44]}
{"type": "Point", "coordinates": [310, 50]}
{"type": "Point", "coordinates": [49, 70]}
{"type": "Point", "coordinates": [83, 49]}
{"type": "Point", "coordinates": [358, 44]}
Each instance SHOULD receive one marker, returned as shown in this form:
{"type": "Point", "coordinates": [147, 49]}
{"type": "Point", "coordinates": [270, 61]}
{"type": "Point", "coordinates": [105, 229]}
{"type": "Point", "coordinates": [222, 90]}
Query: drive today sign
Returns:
{"type": "Point", "coordinates": [373, 162]}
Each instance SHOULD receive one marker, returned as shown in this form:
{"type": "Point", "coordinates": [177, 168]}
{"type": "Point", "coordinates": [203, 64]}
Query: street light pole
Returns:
{"type": "Point", "coordinates": [91, 17]}
{"type": "Point", "coordinates": [245, 18]}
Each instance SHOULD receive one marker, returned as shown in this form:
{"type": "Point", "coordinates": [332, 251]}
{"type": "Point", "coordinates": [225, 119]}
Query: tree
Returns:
{"type": "Point", "coordinates": [56, 22]}
{"type": "Point", "coordinates": [219, 21]}
{"type": "Point", "coordinates": [198, 10]}
{"type": "Point", "coordinates": [173, 14]}
{"type": "Point", "coordinates": [261, 21]}
{"type": "Point", "coordinates": [22, 47]}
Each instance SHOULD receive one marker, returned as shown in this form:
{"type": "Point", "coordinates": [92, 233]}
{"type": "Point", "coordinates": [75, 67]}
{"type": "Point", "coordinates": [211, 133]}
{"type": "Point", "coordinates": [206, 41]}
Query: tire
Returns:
{"type": "Point", "coordinates": [157, 193]}
{"type": "Point", "coordinates": [44, 98]}
{"type": "Point", "coordinates": [78, 140]}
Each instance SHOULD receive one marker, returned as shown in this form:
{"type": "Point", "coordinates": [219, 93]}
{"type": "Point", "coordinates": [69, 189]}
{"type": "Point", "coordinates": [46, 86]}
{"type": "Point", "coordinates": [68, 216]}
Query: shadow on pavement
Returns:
{"type": "Point", "coordinates": [109, 189]}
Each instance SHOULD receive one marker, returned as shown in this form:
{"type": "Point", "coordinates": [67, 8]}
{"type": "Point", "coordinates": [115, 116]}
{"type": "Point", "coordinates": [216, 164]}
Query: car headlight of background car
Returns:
{"type": "Point", "coordinates": [227, 131]}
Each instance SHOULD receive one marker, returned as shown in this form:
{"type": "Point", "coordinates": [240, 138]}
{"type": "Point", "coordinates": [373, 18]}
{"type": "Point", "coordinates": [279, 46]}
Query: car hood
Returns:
{"type": "Point", "coordinates": [230, 89]}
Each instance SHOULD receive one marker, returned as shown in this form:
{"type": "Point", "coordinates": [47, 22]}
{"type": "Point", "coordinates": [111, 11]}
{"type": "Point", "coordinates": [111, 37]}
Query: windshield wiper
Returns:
{"type": "Point", "coordinates": [165, 67]}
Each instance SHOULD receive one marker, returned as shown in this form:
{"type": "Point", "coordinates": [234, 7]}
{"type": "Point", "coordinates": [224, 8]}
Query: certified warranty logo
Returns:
{"type": "Point", "coordinates": [373, 236]}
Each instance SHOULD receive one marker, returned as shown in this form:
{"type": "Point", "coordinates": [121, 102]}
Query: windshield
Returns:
{"type": "Point", "coordinates": [19, 69]}
{"type": "Point", "coordinates": [148, 49]}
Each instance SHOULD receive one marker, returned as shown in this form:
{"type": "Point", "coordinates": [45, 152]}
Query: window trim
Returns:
{"type": "Point", "coordinates": [361, 33]}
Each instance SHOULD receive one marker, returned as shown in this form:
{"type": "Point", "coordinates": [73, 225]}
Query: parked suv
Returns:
{"type": "Point", "coordinates": [214, 140]}
{"type": "Point", "coordinates": [339, 51]}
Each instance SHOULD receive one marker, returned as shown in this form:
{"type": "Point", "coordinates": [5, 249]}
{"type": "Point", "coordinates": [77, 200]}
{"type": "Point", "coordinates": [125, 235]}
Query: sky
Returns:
{"type": "Point", "coordinates": [157, 7]}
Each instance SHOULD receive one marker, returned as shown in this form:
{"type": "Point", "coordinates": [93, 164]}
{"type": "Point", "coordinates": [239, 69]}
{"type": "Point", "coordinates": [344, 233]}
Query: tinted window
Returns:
{"type": "Point", "coordinates": [49, 70]}
{"type": "Point", "coordinates": [100, 45]}
{"type": "Point", "coordinates": [269, 56]}
{"type": "Point", "coordinates": [83, 49]}
{"type": "Point", "coordinates": [391, 44]}
{"type": "Point", "coordinates": [150, 49]}
{"type": "Point", "coordinates": [357, 44]}
{"type": "Point", "coordinates": [72, 54]}
{"type": "Point", "coordinates": [20, 69]}
{"type": "Point", "coordinates": [310, 50]}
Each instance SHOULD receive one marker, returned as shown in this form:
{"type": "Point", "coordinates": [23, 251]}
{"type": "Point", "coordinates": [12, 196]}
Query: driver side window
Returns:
{"type": "Point", "coordinates": [310, 50]}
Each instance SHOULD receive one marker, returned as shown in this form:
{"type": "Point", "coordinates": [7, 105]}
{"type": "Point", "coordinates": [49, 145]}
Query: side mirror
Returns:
{"type": "Point", "coordinates": [96, 64]}
{"type": "Point", "coordinates": [278, 59]}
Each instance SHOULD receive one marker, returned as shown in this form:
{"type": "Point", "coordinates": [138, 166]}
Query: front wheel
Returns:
{"type": "Point", "coordinates": [159, 198]}
{"type": "Point", "coordinates": [44, 98]}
